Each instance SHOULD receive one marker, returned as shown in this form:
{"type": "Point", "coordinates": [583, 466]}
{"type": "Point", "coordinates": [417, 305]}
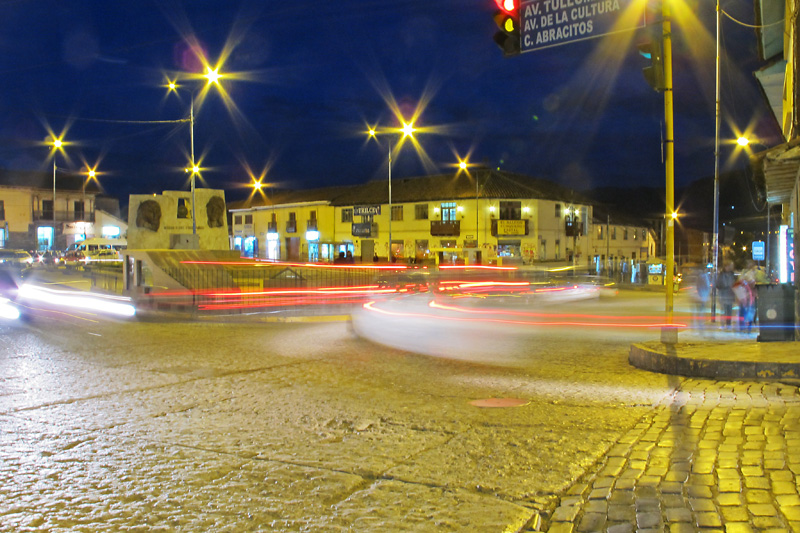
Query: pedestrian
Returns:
{"type": "Point", "coordinates": [350, 258]}
{"type": "Point", "coordinates": [751, 278]}
{"type": "Point", "coordinates": [702, 293]}
{"type": "Point", "coordinates": [725, 280]}
{"type": "Point", "coordinates": [375, 258]}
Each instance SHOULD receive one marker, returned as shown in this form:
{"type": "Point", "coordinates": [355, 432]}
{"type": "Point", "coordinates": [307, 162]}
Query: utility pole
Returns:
{"type": "Point", "coordinates": [669, 335]}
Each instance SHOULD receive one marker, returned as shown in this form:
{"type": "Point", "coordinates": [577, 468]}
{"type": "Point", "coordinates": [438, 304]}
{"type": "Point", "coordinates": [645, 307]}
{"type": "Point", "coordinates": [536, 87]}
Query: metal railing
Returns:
{"type": "Point", "coordinates": [63, 216]}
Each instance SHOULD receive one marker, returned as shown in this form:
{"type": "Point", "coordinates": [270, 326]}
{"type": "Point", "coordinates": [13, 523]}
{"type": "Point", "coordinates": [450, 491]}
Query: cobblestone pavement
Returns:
{"type": "Point", "coordinates": [714, 456]}
{"type": "Point", "coordinates": [143, 426]}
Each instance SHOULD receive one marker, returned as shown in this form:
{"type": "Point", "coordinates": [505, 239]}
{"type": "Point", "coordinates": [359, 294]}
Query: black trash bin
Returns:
{"type": "Point", "coordinates": [776, 315]}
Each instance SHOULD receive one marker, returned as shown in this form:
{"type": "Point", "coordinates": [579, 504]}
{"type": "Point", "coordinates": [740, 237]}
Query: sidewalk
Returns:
{"type": "Point", "coordinates": [713, 456]}
{"type": "Point", "coordinates": [713, 359]}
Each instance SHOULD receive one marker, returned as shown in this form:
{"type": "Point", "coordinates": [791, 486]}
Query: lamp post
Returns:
{"type": "Point", "coordinates": [715, 237]}
{"type": "Point", "coordinates": [90, 175]}
{"type": "Point", "coordinates": [408, 131]}
{"type": "Point", "coordinates": [212, 78]}
{"type": "Point", "coordinates": [57, 145]}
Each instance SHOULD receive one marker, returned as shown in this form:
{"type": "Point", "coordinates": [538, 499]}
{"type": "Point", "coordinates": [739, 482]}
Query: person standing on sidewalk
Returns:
{"type": "Point", "coordinates": [725, 281]}
{"type": "Point", "coordinates": [702, 293]}
{"type": "Point", "coordinates": [751, 278]}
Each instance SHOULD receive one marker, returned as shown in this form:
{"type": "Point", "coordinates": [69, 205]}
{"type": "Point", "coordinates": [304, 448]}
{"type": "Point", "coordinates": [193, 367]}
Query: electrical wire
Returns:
{"type": "Point", "coordinates": [754, 26]}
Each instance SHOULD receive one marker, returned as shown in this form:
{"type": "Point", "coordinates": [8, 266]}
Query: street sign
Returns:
{"type": "Point", "coordinates": [758, 250]}
{"type": "Point", "coordinates": [547, 23]}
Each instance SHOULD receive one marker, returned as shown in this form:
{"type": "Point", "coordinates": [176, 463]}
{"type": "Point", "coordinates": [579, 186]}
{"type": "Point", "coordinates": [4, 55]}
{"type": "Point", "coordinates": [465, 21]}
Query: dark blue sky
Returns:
{"type": "Point", "coordinates": [580, 114]}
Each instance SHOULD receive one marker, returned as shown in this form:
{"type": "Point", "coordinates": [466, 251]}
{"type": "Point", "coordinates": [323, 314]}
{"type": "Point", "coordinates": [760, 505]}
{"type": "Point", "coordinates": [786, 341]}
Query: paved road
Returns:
{"type": "Point", "coordinates": [108, 425]}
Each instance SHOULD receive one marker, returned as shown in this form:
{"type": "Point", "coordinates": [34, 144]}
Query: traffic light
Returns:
{"type": "Point", "coordinates": [654, 73]}
{"type": "Point", "coordinates": [507, 19]}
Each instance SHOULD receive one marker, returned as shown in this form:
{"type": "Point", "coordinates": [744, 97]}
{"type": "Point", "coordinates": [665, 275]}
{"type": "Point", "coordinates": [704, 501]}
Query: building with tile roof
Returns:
{"type": "Point", "coordinates": [481, 216]}
{"type": "Point", "coordinates": [38, 212]}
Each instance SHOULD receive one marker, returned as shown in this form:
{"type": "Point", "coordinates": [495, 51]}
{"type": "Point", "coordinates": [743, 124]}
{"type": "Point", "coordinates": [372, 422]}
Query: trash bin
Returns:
{"type": "Point", "coordinates": [776, 316]}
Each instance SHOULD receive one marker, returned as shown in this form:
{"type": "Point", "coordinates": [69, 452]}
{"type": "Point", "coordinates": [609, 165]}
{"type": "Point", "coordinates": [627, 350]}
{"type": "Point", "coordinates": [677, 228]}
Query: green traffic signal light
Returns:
{"type": "Point", "coordinates": [654, 73]}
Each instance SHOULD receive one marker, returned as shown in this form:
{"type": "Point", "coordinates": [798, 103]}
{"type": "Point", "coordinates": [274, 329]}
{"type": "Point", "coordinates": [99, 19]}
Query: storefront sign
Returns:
{"type": "Point", "coordinates": [366, 210]}
{"type": "Point", "coordinates": [511, 227]}
{"type": "Point", "coordinates": [362, 229]}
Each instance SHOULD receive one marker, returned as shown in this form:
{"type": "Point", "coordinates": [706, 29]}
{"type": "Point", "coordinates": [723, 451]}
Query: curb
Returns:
{"type": "Point", "coordinates": [666, 359]}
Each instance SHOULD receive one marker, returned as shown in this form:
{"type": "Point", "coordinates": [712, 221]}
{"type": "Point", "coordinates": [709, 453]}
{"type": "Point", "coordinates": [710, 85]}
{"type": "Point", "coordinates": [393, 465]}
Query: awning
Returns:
{"type": "Point", "coordinates": [777, 169]}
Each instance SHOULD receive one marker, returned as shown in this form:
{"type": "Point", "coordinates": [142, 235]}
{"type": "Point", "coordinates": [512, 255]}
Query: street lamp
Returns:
{"type": "Point", "coordinates": [408, 131]}
{"type": "Point", "coordinates": [463, 165]}
{"type": "Point", "coordinates": [212, 77]}
{"type": "Point", "coordinates": [58, 146]}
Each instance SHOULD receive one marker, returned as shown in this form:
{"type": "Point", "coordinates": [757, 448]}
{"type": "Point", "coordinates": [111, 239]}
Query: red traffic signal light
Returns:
{"type": "Point", "coordinates": [507, 19]}
{"type": "Point", "coordinates": [508, 6]}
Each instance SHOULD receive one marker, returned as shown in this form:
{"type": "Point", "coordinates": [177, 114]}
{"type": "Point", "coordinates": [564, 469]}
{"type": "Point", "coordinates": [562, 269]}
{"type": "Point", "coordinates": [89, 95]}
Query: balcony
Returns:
{"type": "Point", "coordinates": [291, 226]}
{"type": "Point", "coordinates": [311, 225]}
{"type": "Point", "coordinates": [441, 228]}
{"type": "Point", "coordinates": [272, 227]}
{"type": "Point", "coordinates": [62, 216]}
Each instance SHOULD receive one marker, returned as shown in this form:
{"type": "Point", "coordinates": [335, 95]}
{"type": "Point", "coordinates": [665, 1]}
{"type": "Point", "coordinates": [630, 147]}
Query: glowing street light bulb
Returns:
{"type": "Point", "coordinates": [408, 129]}
{"type": "Point", "coordinates": [213, 75]}
{"type": "Point", "coordinates": [463, 165]}
{"type": "Point", "coordinates": [743, 141]}
{"type": "Point", "coordinates": [57, 143]}
{"type": "Point", "coordinates": [372, 132]}
{"type": "Point", "coordinates": [92, 173]}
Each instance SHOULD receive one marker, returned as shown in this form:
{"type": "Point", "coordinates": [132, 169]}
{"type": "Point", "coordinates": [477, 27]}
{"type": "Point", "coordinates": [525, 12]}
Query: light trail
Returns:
{"type": "Point", "coordinates": [370, 306]}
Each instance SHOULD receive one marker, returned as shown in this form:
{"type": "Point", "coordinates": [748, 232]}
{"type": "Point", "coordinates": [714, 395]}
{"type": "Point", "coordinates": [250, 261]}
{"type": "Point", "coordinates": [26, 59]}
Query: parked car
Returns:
{"type": "Point", "coordinates": [15, 258]}
{"type": "Point", "coordinates": [73, 259]}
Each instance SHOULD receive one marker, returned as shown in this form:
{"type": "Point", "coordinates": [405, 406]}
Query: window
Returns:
{"type": "Point", "coordinates": [613, 234]}
{"type": "Point", "coordinates": [248, 219]}
{"type": "Point", "coordinates": [183, 208]}
{"type": "Point", "coordinates": [625, 234]}
{"type": "Point", "coordinates": [558, 210]}
{"type": "Point", "coordinates": [421, 212]}
{"type": "Point", "coordinates": [2, 210]}
{"type": "Point", "coordinates": [644, 234]}
{"type": "Point", "coordinates": [347, 215]}
{"type": "Point", "coordinates": [78, 209]}
{"type": "Point", "coordinates": [47, 210]}
{"type": "Point", "coordinates": [600, 233]}
{"type": "Point", "coordinates": [313, 216]}
{"type": "Point", "coordinates": [237, 219]}
{"type": "Point", "coordinates": [274, 218]}
{"type": "Point", "coordinates": [449, 212]}
{"type": "Point", "coordinates": [397, 212]}
{"type": "Point", "coordinates": [510, 210]}
{"type": "Point", "coordinates": [292, 217]}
